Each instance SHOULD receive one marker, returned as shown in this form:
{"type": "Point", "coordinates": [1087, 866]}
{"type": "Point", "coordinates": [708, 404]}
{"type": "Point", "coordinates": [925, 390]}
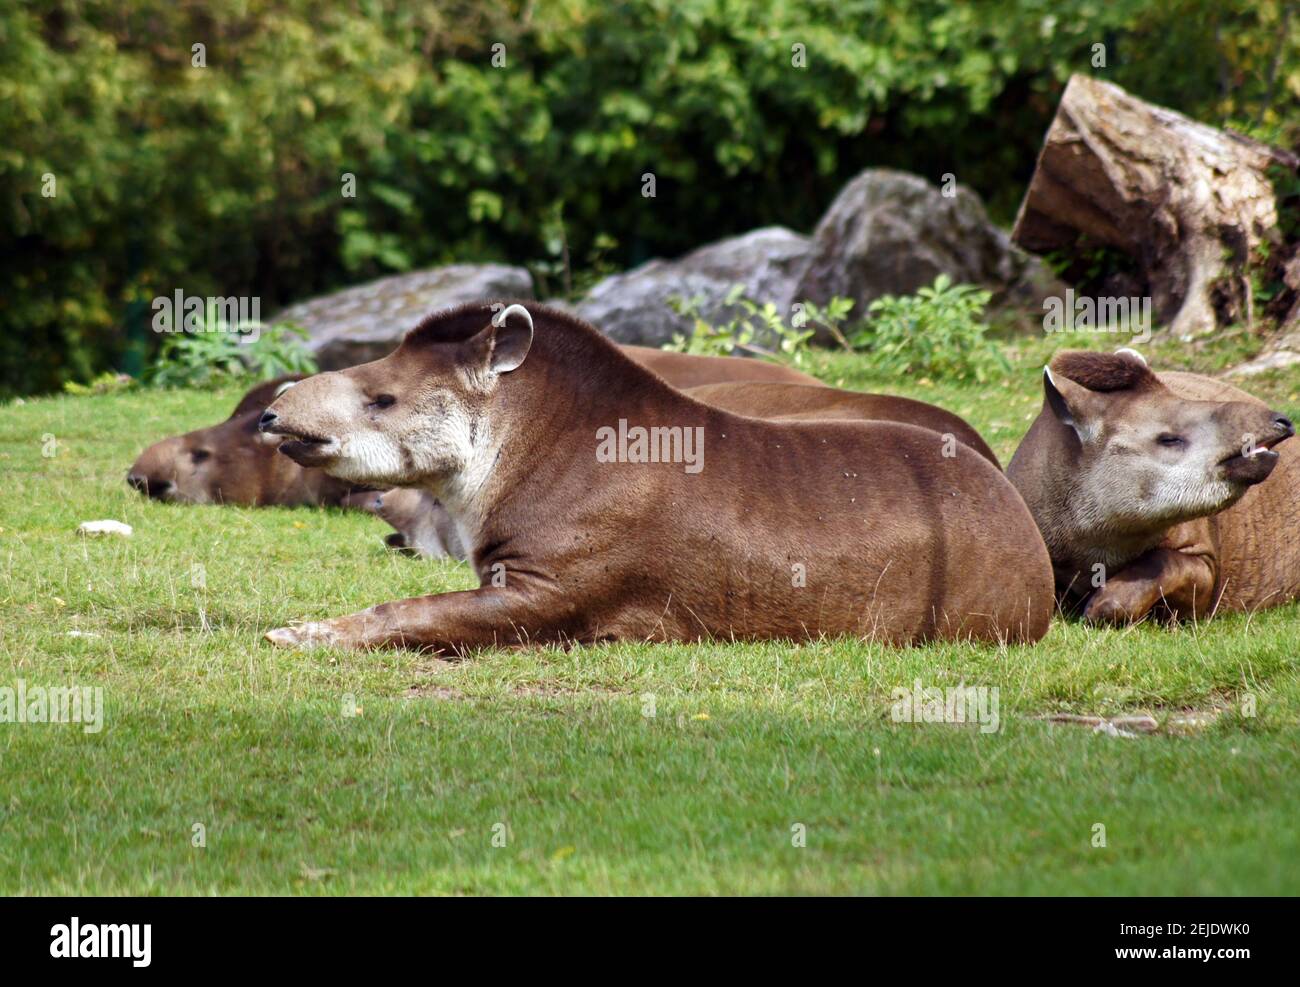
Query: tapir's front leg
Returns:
{"type": "Point", "coordinates": [484, 617]}
{"type": "Point", "coordinates": [1185, 582]}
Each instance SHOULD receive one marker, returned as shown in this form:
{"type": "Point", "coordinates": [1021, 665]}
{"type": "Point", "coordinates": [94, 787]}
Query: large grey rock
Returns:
{"type": "Point", "coordinates": [891, 233]}
{"type": "Point", "coordinates": [633, 307]}
{"type": "Point", "coordinates": [366, 322]}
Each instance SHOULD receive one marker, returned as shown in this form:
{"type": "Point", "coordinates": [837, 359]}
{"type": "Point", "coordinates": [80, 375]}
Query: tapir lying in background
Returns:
{"type": "Point", "coordinates": [1160, 490]}
{"type": "Point", "coordinates": [424, 528]}
{"type": "Point", "coordinates": [232, 463]}
{"type": "Point", "coordinates": [531, 428]}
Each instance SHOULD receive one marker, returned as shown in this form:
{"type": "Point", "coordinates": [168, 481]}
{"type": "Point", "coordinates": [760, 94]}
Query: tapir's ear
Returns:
{"type": "Point", "coordinates": [282, 388]}
{"type": "Point", "coordinates": [1129, 351]}
{"type": "Point", "coordinates": [512, 336]}
{"type": "Point", "coordinates": [1069, 402]}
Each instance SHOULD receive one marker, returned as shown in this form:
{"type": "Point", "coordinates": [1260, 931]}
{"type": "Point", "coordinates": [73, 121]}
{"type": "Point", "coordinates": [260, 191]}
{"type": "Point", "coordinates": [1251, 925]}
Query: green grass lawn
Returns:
{"type": "Point", "coordinates": [616, 769]}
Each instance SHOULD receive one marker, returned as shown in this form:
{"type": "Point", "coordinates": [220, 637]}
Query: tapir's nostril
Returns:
{"type": "Point", "coordinates": [1284, 423]}
{"type": "Point", "coordinates": [148, 487]}
{"type": "Point", "coordinates": [267, 420]}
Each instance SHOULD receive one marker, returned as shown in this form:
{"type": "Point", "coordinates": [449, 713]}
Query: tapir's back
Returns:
{"type": "Point", "coordinates": [861, 528]}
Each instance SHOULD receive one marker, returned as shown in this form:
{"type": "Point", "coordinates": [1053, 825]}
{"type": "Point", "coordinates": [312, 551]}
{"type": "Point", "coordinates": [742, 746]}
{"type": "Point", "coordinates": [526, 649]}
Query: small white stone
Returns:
{"type": "Point", "coordinates": [104, 528]}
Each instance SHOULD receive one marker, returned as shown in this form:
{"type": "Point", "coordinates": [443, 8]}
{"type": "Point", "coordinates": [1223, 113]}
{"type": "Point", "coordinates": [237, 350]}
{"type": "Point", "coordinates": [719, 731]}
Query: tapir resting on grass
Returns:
{"type": "Point", "coordinates": [424, 528]}
{"type": "Point", "coordinates": [1160, 491]}
{"type": "Point", "coordinates": [599, 503]}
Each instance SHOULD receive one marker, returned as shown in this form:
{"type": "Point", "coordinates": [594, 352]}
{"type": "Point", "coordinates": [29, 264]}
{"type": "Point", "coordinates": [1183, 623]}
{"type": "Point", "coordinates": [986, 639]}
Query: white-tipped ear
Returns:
{"type": "Point", "coordinates": [499, 319]}
{"type": "Point", "coordinates": [1133, 353]}
{"type": "Point", "coordinates": [282, 388]}
{"type": "Point", "coordinates": [512, 339]}
{"type": "Point", "coordinates": [1056, 400]}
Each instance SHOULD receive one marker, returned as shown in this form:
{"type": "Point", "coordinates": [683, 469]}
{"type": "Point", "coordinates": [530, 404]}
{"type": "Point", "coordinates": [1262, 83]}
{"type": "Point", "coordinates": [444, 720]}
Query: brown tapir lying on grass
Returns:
{"type": "Point", "coordinates": [424, 528]}
{"type": "Point", "coordinates": [600, 503]}
{"type": "Point", "coordinates": [232, 463]}
{"type": "Point", "coordinates": [1164, 486]}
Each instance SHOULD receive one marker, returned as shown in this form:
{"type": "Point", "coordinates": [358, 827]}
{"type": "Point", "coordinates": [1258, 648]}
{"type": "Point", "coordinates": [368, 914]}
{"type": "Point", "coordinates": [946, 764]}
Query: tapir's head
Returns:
{"type": "Point", "coordinates": [227, 463]}
{"type": "Point", "coordinates": [419, 416]}
{"type": "Point", "coordinates": [1147, 458]}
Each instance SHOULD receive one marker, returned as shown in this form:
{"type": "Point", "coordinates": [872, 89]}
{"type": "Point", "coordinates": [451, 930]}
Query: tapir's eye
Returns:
{"type": "Point", "coordinates": [383, 401]}
{"type": "Point", "coordinates": [1171, 440]}
{"type": "Point", "coordinates": [199, 455]}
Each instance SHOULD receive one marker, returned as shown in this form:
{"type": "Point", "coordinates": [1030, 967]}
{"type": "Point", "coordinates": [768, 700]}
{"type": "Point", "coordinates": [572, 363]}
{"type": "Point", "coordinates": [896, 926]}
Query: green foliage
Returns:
{"type": "Point", "coordinates": [212, 356]}
{"type": "Point", "coordinates": [106, 383]}
{"type": "Point", "coordinates": [935, 333]}
{"type": "Point", "coordinates": [230, 179]}
{"type": "Point", "coordinates": [753, 329]}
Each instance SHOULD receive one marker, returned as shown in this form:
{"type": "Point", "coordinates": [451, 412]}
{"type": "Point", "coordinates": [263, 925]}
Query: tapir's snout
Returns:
{"type": "Point", "coordinates": [150, 487]}
{"type": "Point", "coordinates": [301, 423]}
{"type": "Point", "coordinates": [1256, 459]}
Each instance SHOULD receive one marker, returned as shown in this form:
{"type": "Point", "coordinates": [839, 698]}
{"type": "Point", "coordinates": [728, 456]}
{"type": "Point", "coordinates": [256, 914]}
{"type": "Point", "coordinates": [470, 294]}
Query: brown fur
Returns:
{"type": "Point", "coordinates": [801, 402]}
{"type": "Point", "coordinates": [1099, 505]}
{"type": "Point", "coordinates": [1103, 372]}
{"type": "Point", "coordinates": [684, 370]}
{"type": "Point", "coordinates": [897, 542]}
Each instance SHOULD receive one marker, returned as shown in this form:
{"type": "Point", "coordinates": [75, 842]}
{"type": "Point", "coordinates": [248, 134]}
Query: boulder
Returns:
{"type": "Point", "coordinates": [366, 322]}
{"type": "Point", "coordinates": [891, 233]}
{"type": "Point", "coordinates": [633, 307]}
{"type": "Point", "coordinates": [887, 232]}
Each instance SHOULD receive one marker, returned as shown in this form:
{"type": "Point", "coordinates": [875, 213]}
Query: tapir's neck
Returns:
{"type": "Point", "coordinates": [542, 421]}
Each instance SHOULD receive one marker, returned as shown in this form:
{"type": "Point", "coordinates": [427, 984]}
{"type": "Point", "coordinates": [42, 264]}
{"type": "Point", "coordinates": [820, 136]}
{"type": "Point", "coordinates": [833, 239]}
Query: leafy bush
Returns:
{"type": "Point", "coordinates": [755, 329]}
{"type": "Point", "coordinates": [231, 178]}
{"type": "Point", "coordinates": [106, 383]}
{"type": "Point", "coordinates": [216, 354]}
{"type": "Point", "coordinates": [937, 333]}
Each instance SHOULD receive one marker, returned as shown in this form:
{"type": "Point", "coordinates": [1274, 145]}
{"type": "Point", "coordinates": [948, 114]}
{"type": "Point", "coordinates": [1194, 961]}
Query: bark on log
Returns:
{"type": "Point", "coordinates": [1189, 204]}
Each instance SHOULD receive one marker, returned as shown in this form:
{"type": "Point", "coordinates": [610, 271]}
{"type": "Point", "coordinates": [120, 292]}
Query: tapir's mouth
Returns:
{"type": "Point", "coordinates": [1255, 464]}
{"type": "Point", "coordinates": [308, 450]}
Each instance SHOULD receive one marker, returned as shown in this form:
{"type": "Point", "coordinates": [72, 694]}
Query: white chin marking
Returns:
{"type": "Point", "coordinates": [370, 459]}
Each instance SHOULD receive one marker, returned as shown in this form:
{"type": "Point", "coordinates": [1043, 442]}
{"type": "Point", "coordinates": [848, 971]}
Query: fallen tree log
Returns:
{"type": "Point", "coordinates": [1189, 205]}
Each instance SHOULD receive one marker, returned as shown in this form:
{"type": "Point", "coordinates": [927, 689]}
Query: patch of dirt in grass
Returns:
{"type": "Point", "coordinates": [1178, 723]}
{"type": "Point", "coordinates": [442, 692]}
{"type": "Point", "coordinates": [540, 690]}
{"type": "Point", "coordinates": [549, 691]}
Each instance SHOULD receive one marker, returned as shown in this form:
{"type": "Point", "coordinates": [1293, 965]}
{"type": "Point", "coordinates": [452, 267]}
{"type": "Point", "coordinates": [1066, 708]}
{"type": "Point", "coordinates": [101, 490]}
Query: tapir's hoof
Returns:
{"type": "Point", "coordinates": [308, 635]}
{"type": "Point", "coordinates": [1108, 610]}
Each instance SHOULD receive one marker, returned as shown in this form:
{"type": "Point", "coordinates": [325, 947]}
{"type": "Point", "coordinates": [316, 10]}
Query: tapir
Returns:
{"type": "Point", "coordinates": [1164, 491]}
{"type": "Point", "coordinates": [424, 528]}
{"type": "Point", "coordinates": [597, 502]}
